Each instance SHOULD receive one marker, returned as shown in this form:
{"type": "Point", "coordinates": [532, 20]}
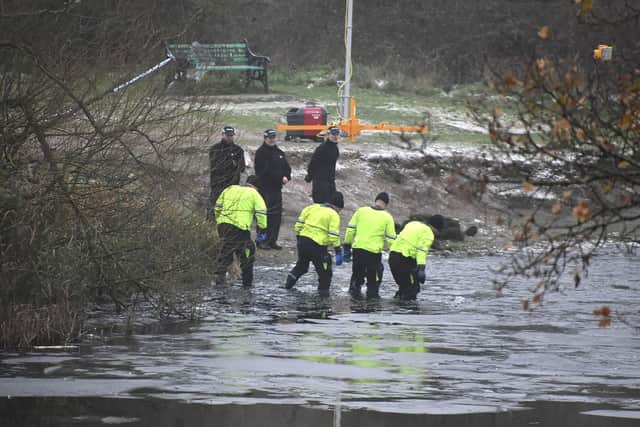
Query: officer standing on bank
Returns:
{"type": "Point", "coordinates": [273, 171]}
{"type": "Point", "coordinates": [321, 171]}
{"type": "Point", "coordinates": [226, 163]}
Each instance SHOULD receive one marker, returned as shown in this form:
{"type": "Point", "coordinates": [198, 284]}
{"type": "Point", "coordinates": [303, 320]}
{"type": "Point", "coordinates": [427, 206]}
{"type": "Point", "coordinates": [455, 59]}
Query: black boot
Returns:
{"type": "Point", "coordinates": [291, 281]}
{"type": "Point", "coordinates": [263, 245]}
{"type": "Point", "coordinates": [355, 291]}
{"type": "Point", "coordinates": [274, 245]}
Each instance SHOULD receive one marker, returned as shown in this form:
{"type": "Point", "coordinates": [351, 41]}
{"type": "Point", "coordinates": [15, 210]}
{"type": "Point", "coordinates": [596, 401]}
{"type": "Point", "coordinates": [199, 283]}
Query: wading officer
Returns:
{"type": "Point", "coordinates": [234, 211]}
{"type": "Point", "coordinates": [366, 233]}
{"type": "Point", "coordinates": [317, 228]}
{"type": "Point", "coordinates": [273, 171]}
{"type": "Point", "coordinates": [226, 163]}
{"type": "Point", "coordinates": [321, 171]}
{"type": "Point", "coordinates": [408, 255]}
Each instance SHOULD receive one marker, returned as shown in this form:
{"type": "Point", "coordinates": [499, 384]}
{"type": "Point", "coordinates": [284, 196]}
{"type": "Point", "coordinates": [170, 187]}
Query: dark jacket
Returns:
{"type": "Point", "coordinates": [270, 166]}
{"type": "Point", "coordinates": [323, 162]}
{"type": "Point", "coordinates": [226, 162]}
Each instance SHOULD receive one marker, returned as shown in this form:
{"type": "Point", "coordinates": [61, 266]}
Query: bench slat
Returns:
{"type": "Point", "coordinates": [205, 67]}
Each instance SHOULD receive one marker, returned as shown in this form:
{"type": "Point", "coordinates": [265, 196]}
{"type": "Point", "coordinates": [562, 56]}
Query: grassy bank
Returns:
{"type": "Point", "coordinates": [405, 101]}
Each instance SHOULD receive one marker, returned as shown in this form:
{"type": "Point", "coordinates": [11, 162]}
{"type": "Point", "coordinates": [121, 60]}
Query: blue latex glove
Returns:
{"type": "Point", "coordinates": [421, 276]}
{"type": "Point", "coordinates": [262, 237]}
{"type": "Point", "coordinates": [347, 254]}
{"type": "Point", "coordinates": [339, 258]}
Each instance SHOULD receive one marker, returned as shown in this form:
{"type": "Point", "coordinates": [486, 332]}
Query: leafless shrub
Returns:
{"type": "Point", "coordinates": [96, 184]}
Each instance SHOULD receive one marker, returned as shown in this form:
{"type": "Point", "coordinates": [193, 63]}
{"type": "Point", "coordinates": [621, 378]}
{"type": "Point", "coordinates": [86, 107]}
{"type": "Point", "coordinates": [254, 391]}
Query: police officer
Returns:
{"type": "Point", "coordinates": [226, 163]}
{"type": "Point", "coordinates": [408, 255]}
{"type": "Point", "coordinates": [321, 171]}
{"type": "Point", "coordinates": [234, 212]}
{"type": "Point", "coordinates": [273, 171]}
{"type": "Point", "coordinates": [366, 234]}
{"type": "Point", "coordinates": [317, 228]}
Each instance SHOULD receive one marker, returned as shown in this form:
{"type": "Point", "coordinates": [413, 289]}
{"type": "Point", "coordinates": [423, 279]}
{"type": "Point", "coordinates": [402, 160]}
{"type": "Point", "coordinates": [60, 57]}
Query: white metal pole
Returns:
{"type": "Point", "coordinates": [347, 62]}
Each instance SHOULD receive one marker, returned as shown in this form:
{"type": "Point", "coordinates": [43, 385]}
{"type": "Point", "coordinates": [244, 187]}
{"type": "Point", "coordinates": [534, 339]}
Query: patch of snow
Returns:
{"type": "Point", "coordinates": [400, 108]}
{"type": "Point", "coordinates": [380, 83]}
{"type": "Point", "coordinates": [534, 195]}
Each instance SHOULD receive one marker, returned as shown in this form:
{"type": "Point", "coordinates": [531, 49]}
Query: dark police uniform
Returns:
{"type": "Point", "coordinates": [226, 163]}
{"type": "Point", "coordinates": [322, 171]}
{"type": "Point", "coordinates": [271, 166]}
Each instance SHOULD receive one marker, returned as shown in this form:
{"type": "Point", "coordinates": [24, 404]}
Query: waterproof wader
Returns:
{"type": "Point", "coordinates": [403, 270]}
{"type": "Point", "coordinates": [310, 251]}
{"type": "Point", "coordinates": [366, 265]}
{"type": "Point", "coordinates": [235, 241]}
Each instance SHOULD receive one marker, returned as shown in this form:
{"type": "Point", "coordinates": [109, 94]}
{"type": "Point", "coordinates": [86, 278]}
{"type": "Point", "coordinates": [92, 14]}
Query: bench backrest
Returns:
{"type": "Point", "coordinates": [198, 54]}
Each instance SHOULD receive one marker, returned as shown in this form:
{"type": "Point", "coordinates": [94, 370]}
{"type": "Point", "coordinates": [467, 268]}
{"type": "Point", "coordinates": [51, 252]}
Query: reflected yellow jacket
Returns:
{"type": "Point", "coordinates": [368, 229]}
{"type": "Point", "coordinates": [237, 206]}
{"type": "Point", "coordinates": [414, 241]}
{"type": "Point", "coordinates": [320, 223]}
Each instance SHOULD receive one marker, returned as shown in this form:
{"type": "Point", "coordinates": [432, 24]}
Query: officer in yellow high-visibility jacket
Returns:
{"type": "Point", "coordinates": [234, 211]}
{"type": "Point", "coordinates": [408, 255]}
{"type": "Point", "coordinates": [317, 228]}
{"type": "Point", "coordinates": [366, 233]}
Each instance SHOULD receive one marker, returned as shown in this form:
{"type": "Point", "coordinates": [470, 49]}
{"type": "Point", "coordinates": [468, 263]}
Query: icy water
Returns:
{"type": "Point", "coordinates": [460, 355]}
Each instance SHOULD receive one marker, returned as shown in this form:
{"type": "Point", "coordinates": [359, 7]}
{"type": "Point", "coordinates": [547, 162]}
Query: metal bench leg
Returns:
{"type": "Point", "coordinates": [265, 81]}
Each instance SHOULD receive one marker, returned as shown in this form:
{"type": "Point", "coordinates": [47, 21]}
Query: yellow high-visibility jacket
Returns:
{"type": "Point", "coordinates": [414, 241]}
{"type": "Point", "coordinates": [237, 205]}
{"type": "Point", "coordinates": [368, 228]}
{"type": "Point", "coordinates": [320, 223]}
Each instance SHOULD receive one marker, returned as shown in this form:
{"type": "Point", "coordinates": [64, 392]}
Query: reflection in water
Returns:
{"type": "Point", "coordinates": [460, 349]}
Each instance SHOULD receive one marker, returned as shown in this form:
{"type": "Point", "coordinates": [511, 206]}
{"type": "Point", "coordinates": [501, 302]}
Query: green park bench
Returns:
{"type": "Point", "coordinates": [220, 57]}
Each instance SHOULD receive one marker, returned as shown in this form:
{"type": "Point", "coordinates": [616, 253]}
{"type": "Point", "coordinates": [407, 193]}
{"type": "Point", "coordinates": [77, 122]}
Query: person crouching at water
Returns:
{"type": "Point", "coordinates": [408, 255]}
{"type": "Point", "coordinates": [234, 213]}
{"type": "Point", "coordinates": [317, 228]}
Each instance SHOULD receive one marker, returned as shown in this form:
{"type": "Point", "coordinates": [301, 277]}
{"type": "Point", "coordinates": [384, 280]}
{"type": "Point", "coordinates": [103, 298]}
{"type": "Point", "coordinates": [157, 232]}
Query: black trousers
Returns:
{"type": "Point", "coordinates": [366, 265]}
{"type": "Point", "coordinates": [310, 251]}
{"type": "Point", "coordinates": [238, 242]}
{"type": "Point", "coordinates": [273, 199]}
{"type": "Point", "coordinates": [403, 270]}
{"type": "Point", "coordinates": [322, 190]}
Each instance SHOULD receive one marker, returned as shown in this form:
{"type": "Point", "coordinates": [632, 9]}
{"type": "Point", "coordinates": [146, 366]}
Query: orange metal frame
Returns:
{"type": "Point", "coordinates": [352, 126]}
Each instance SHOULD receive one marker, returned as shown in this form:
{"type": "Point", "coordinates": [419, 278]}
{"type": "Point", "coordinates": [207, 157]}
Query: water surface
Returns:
{"type": "Point", "coordinates": [460, 350]}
